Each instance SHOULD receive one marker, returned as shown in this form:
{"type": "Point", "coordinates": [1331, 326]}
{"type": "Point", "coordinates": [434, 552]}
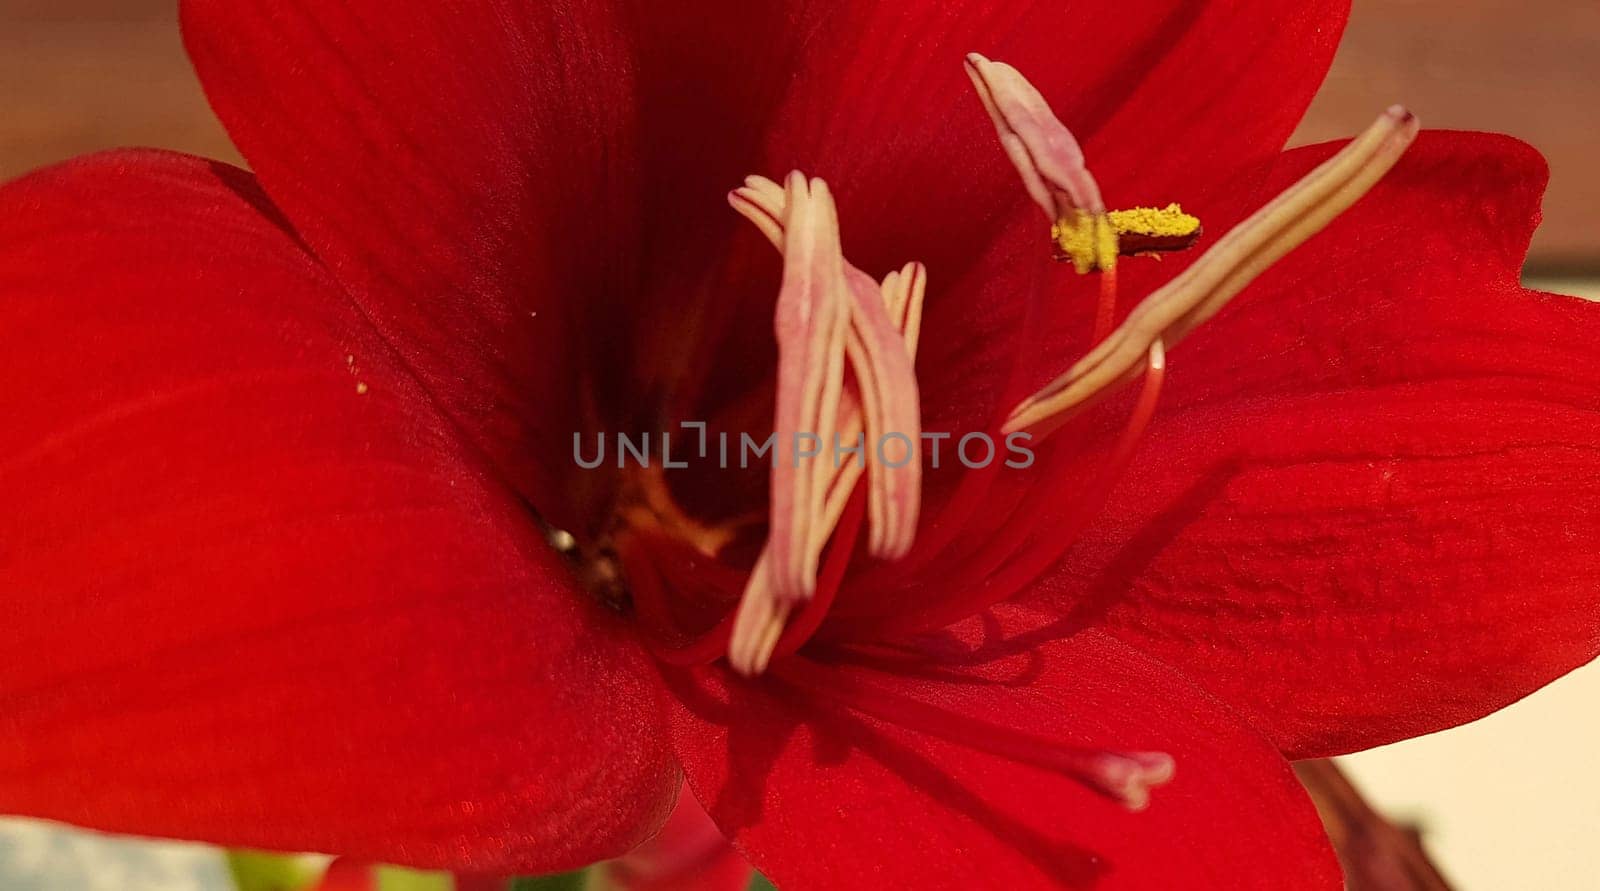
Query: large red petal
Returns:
{"type": "Point", "coordinates": [1369, 507]}
{"type": "Point", "coordinates": [255, 591]}
{"type": "Point", "coordinates": [820, 797]}
{"type": "Point", "coordinates": [463, 169]}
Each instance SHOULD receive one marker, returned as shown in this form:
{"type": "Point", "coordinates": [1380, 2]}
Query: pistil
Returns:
{"type": "Point", "coordinates": [1124, 776]}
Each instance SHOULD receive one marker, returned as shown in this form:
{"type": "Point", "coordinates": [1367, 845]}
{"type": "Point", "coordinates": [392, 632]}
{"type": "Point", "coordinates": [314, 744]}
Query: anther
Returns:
{"type": "Point", "coordinates": [1154, 230]}
{"type": "Point", "coordinates": [1204, 288]}
{"type": "Point", "coordinates": [1043, 150]}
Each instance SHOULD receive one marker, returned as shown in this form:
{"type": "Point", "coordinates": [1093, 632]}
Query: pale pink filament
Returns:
{"type": "Point", "coordinates": [881, 412]}
{"type": "Point", "coordinates": [1044, 151]}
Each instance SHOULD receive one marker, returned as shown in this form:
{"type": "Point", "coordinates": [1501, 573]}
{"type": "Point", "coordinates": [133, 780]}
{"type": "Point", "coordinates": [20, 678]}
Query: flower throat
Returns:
{"type": "Point", "coordinates": [847, 344]}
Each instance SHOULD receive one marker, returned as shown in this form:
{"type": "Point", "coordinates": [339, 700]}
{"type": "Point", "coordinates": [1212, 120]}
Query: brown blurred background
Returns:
{"type": "Point", "coordinates": [79, 75]}
{"type": "Point", "coordinates": [1530, 68]}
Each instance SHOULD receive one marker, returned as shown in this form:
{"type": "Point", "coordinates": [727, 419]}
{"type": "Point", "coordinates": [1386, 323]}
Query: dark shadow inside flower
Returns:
{"type": "Point", "coordinates": [752, 747]}
{"type": "Point", "coordinates": [247, 187]}
{"type": "Point", "coordinates": [1135, 70]}
{"type": "Point", "coordinates": [1111, 584]}
{"type": "Point", "coordinates": [937, 656]}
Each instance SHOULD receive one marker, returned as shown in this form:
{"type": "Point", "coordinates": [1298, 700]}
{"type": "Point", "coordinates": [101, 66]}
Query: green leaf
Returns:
{"type": "Point", "coordinates": [566, 881]}
{"type": "Point", "coordinates": [260, 871]}
{"type": "Point", "coordinates": [393, 878]}
{"type": "Point", "coordinates": [759, 882]}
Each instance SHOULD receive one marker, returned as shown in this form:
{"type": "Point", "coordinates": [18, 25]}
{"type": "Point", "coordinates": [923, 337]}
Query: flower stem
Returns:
{"type": "Point", "coordinates": [1376, 855]}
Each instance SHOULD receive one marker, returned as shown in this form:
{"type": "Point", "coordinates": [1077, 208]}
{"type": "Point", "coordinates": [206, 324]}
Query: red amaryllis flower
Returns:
{"type": "Point", "coordinates": [296, 555]}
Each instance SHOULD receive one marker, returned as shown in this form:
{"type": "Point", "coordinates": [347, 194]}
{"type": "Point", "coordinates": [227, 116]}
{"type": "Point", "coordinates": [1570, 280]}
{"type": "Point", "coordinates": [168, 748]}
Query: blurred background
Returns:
{"type": "Point", "coordinates": [1512, 801]}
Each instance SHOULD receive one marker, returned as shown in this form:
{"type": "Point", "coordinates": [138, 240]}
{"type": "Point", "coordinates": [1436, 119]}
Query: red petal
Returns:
{"type": "Point", "coordinates": [690, 854]}
{"type": "Point", "coordinates": [1368, 510]}
{"type": "Point", "coordinates": [461, 171]}
{"type": "Point", "coordinates": [348, 875]}
{"type": "Point", "coordinates": [822, 798]}
{"type": "Point", "coordinates": [256, 592]}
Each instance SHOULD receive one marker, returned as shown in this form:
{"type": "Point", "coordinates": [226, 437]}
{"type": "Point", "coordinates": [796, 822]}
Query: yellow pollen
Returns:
{"type": "Point", "coordinates": [1087, 239]}
{"type": "Point", "coordinates": [1093, 241]}
{"type": "Point", "coordinates": [1162, 222]}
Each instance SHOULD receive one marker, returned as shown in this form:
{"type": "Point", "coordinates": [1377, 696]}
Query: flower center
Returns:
{"type": "Point", "coordinates": [846, 388]}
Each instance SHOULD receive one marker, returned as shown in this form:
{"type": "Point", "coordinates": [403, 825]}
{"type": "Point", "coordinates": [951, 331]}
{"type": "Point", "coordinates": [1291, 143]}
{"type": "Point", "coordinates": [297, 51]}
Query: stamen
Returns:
{"type": "Point", "coordinates": [811, 323]}
{"type": "Point", "coordinates": [881, 345]}
{"type": "Point", "coordinates": [903, 292]}
{"type": "Point", "coordinates": [1062, 526]}
{"type": "Point", "coordinates": [761, 628]}
{"type": "Point", "coordinates": [1094, 241]}
{"type": "Point", "coordinates": [1043, 150]}
{"type": "Point", "coordinates": [799, 630]}
{"type": "Point", "coordinates": [1204, 288]}
{"type": "Point", "coordinates": [758, 621]}
{"type": "Point", "coordinates": [1087, 240]}
{"type": "Point", "coordinates": [1105, 314]}
{"type": "Point", "coordinates": [879, 406]}
{"type": "Point", "coordinates": [1125, 777]}
{"type": "Point", "coordinates": [892, 413]}
{"type": "Point", "coordinates": [938, 539]}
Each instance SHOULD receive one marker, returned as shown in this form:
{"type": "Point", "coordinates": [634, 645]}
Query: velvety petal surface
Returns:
{"type": "Point", "coordinates": [463, 169]}
{"type": "Point", "coordinates": [1368, 506]}
{"type": "Point", "coordinates": [255, 591]}
{"type": "Point", "coordinates": [689, 854]}
{"type": "Point", "coordinates": [820, 796]}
